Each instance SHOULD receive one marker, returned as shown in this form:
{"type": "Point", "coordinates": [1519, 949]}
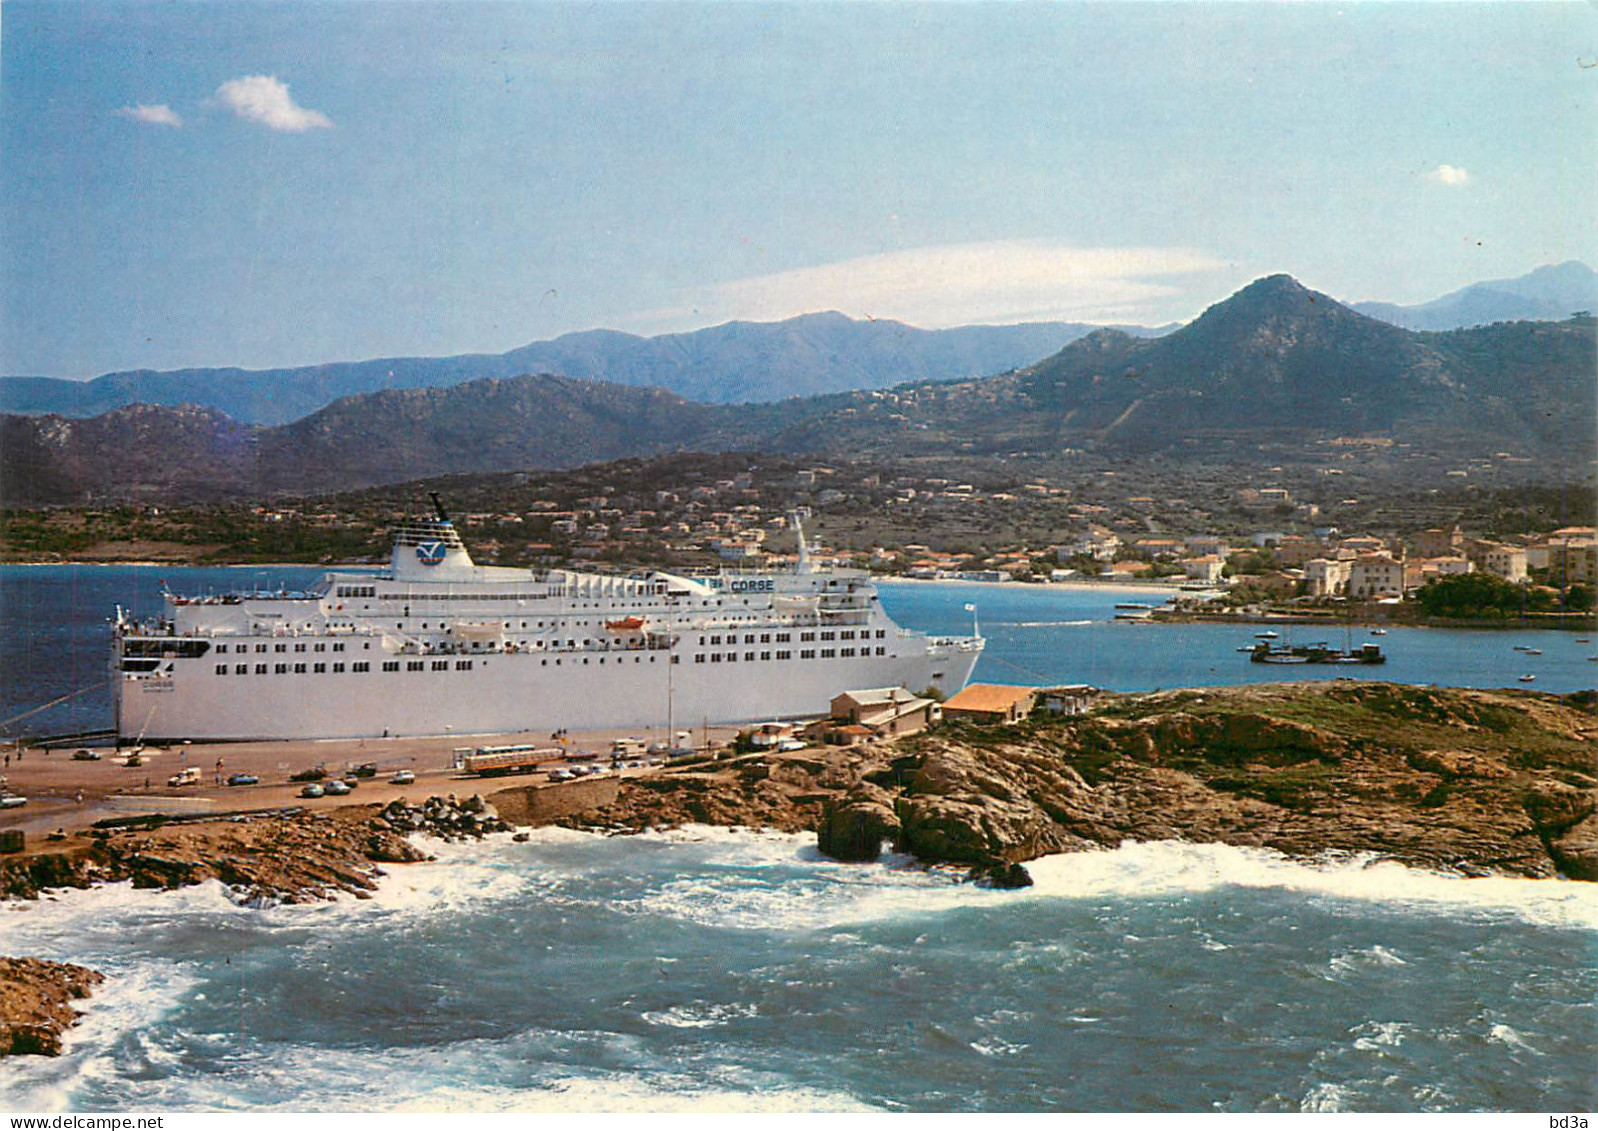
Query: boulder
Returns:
{"type": "Point", "coordinates": [854, 828]}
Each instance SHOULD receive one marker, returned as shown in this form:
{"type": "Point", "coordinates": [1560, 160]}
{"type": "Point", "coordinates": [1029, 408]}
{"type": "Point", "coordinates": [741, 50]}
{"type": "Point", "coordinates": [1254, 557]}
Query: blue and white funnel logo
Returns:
{"type": "Point", "coordinates": [430, 553]}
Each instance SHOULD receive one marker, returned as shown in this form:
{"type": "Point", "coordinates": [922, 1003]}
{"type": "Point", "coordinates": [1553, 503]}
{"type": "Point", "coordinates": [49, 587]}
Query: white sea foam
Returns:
{"type": "Point", "coordinates": [521, 1073]}
{"type": "Point", "coordinates": [1504, 1035]}
{"type": "Point", "coordinates": [699, 1015]}
{"type": "Point", "coordinates": [1378, 1036]}
{"type": "Point", "coordinates": [1325, 1097]}
{"type": "Point", "coordinates": [1171, 867]}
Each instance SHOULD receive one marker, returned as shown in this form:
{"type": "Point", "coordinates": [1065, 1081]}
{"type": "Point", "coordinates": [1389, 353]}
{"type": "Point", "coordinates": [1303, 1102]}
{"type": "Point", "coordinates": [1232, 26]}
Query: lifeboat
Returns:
{"type": "Point", "coordinates": [625, 624]}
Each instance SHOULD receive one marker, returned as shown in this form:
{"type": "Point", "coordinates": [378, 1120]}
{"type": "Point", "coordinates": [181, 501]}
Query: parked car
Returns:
{"type": "Point", "coordinates": [243, 779]}
{"type": "Point", "coordinates": [311, 790]}
{"type": "Point", "coordinates": [364, 770]}
{"type": "Point", "coordinates": [315, 773]}
{"type": "Point", "coordinates": [190, 776]}
{"type": "Point", "coordinates": [403, 777]}
{"type": "Point", "coordinates": [85, 755]}
{"type": "Point", "coordinates": [335, 788]}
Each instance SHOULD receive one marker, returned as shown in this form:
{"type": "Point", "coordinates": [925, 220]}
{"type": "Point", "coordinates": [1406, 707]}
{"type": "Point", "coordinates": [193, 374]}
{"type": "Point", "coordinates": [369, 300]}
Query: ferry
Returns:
{"type": "Point", "coordinates": [437, 645]}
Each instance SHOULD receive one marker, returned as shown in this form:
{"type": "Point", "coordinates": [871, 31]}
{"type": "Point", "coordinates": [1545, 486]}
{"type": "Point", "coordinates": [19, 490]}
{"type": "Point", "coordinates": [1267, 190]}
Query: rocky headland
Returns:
{"type": "Point", "coordinates": [1472, 782]}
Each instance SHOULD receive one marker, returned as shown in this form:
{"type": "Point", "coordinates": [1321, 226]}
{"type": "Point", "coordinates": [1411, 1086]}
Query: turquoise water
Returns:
{"type": "Point", "coordinates": [54, 639]}
{"type": "Point", "coordinates": [740, 970]}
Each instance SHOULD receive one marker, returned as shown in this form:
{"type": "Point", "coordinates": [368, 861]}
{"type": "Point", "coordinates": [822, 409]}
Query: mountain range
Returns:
{"type": "Point", "coordinates": [1548, 293]}
{"type": "Point", "coordinates": [733, 363]}
{"type": "Point", "coordinates": [1275, 362]}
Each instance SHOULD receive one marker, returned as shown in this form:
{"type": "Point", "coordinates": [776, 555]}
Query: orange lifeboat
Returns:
{"type": "Point", "coordinates": [625, 624]}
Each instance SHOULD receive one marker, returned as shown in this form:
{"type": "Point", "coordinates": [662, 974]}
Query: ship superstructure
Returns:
{"type": "Point", "coordinates": [435, 644]}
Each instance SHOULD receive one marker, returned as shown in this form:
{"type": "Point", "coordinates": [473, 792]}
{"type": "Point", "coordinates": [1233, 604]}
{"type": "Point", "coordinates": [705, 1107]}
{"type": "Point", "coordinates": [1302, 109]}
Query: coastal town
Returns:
{"type": "Point", "coordinates": [1246, 546]}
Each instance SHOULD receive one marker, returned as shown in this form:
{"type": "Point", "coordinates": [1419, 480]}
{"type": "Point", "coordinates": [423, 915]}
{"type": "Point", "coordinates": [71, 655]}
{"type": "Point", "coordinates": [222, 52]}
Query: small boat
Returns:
{"type": "Point", "coordinates": [1527, 678]}
{"type": "Point", "coordinates": [1534, 651]}
{"type": "Point", "coordinates": [1246, 648]}
{"type": "Point", "coordinates": [1378, 632]}
{"type": "Point", "coordinates": [1519, 648]}
{"type": "Point", "coordinates": [1266, 635]}
{"type": "Point", "coordinates": [1583, 640]}
{"type": "Point", "coordinates": [625, 624]}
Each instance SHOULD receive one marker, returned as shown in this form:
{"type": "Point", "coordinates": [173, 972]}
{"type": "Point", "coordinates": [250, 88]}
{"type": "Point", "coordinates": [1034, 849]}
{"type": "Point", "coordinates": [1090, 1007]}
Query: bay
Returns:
{"type": "Point", "coordinates": [55, 638]}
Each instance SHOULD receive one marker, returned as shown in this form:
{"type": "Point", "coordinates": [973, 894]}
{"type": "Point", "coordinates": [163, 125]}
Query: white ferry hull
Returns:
{"type": "Point", "coordinates": [505, 694]}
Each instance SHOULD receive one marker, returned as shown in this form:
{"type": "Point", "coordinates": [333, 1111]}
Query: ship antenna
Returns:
{"type": "Point", "coordinates": [438, 506]}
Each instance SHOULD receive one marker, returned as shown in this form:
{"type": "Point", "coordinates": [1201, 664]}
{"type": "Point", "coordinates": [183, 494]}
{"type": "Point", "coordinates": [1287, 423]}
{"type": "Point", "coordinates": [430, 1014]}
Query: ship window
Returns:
{"type": "Point", "coordinates": [846, 652]}
{"type": "Point", "coordinates": [846, 636]}
{"type": "Point", "coordinates": [221, 669]}
{"type": "Point", "coordinates": [414, 665]}
{"type": "Point", "coordinates": [241, 669]}
{"type": "Point", "coordinates": [319, 648]}
{"type": "Point", "coordinates": [765, 638]}
{"type": "Point", "coordinates": [220, 648]}
{"type": "Point", "coordinates": [280, 647]}
{"type": "Point", "coordinates": [732, 657]}
{"type": "Point", "coordinates": [319, 669]}
{"type": "Point", "coordinates": [299, 669]}
{"type": "Point", "coordinates": [715, 657]}
{"type": "Point", "coordinates": [299, 647]}
{"type": "Point", "coordinates": [260, 669]}
{"type": "Point", "coordinates": [784, 655]}
{"type": "Point", "coordinates": [543, 663]}
{"type": "Point", "coordinates": [391, 665]}
{"type": "Point", "coordinates": [699, 657]}
{"type": "Point", "coordinates": [749, 656]}
{"type": "Point", "coordinates": [463, 665]}
{"type": "Point", "coordinates": [784, 637]}
{"type": "Point", "coordinates": [338, 647]}
{"type": "Point", "coordinates": [881, 633]}
{"type": "Point", "coordinates": [337, 668]}
{"type": "Point", "coordinates": [279, 669]}
{"type": "Point", "coordinates": [828, 635]}
{"type": "Point", "coordinates": [807, 654]}
{"type": "Point", "coordinates": [715, 640]}
{"type": "Point", "coordinates": [260, 647]}
{"type": "Point", "coordinates": [765, 655]}
{"type": "Point", "coordinates": [828, 653]}
{"type": "Point", "coordinates": [881, 651]}
{"type": "Point", "coordinates": [361, 667]}
{"type": "Point", "coordinates": [441, 665]}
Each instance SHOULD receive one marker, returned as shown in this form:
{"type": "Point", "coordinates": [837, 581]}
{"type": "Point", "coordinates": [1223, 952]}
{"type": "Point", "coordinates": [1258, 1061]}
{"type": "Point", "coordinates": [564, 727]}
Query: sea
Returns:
{"type": "Point", "coordinates": [713, 969]}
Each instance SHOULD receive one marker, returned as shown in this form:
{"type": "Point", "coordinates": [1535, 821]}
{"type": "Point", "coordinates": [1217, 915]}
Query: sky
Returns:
{"type": "Point", "coordinates": [279, 184]}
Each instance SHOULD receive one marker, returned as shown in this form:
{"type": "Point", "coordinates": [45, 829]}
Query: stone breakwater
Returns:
{"type": "Point", "coordinates": [1476, 783]}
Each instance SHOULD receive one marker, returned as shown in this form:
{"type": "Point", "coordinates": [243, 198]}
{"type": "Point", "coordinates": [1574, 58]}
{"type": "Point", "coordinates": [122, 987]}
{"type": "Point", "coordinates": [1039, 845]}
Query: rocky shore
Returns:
{"type": "Point", "coordinates": [1472, 782]}
{"type": "Point", "coordinates": [285, 856]}
{"type": "Point", "coordinates": [35, 1003]}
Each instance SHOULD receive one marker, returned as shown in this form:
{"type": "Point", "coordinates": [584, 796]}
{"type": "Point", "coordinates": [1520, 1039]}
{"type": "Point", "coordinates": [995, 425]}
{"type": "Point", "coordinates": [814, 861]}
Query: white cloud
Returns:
{"type": "Point", "coordinates": [265, 100]}
{"type": "Point", "coordinates": [158, 115]}
{"type": "Point", "coordinates": [1448, 175]}
{"type": "Point", "coordinates": [956, 284]}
